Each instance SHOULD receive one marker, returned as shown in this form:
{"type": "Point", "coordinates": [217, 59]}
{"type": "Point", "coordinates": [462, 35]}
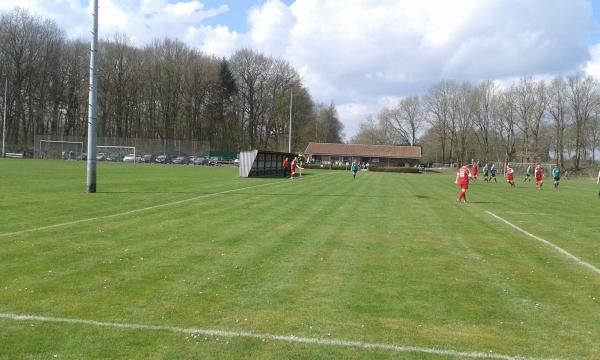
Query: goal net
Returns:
{"type": "Point", "coordinates": [61, 150]}
{"type": "Point", "coordinates": [520, 169]}
{"type": "Point", "coordinates": [116, 153]}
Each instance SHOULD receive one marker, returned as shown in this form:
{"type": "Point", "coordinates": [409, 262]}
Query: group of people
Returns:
{"type": "Point", "coordinates": [464, 175]}
{"type": "Point", "coordinates": [290, 167]}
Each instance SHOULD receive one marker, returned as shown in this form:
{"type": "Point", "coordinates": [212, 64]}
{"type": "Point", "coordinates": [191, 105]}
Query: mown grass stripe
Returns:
{"type": "Point", "coordinates": [555, 247]}
{"type": "Point", "coordinates": [129, 212]}
{"type": "Point", "coordinates": [287, 338]}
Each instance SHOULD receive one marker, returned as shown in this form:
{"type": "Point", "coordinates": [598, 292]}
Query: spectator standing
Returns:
{"type": "Point", "coordinates": [286, 166]}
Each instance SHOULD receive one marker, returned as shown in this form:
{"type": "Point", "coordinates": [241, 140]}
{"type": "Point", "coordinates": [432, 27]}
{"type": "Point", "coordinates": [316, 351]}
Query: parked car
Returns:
{"type": "Point", "coordinates": [100, 156]}
{"type": "Point", "coordinates": [148, 158]}
{"type": "Point", "coordinates": [236, 162]}
{"type": "Point", "coordinates": [163, 159]}
{"type": "Point", "coordinates": [200, 160]}
{"type": "Point", "coordinates": [213, 161]}
{"type": "Point", "coordinates": [114, 157]}
{"type": "Point", "coordinates": [129, 158]}
{"type": "Point", "coordinates": [181, 160]}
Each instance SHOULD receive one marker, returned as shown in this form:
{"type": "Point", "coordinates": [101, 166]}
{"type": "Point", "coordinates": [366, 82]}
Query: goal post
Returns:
{"type": "Point", "coordinates": [521, 168]}
{"type": "Point", "coordinates": [114, 152]}
{"type": "Point", "coordinates": [63, 150]}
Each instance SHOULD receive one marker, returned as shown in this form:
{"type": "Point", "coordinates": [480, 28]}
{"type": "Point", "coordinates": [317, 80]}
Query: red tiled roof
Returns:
{"type": "Point", "coordinates": [389, 151]}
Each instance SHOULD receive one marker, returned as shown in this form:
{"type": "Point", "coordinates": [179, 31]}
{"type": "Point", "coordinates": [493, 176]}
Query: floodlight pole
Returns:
{"type": "Point", "coordinates": [4, 118]}
{"type": "Point", "coordinates": [290, 137]}
{"type": "Point", "coordinates": [93, 111]}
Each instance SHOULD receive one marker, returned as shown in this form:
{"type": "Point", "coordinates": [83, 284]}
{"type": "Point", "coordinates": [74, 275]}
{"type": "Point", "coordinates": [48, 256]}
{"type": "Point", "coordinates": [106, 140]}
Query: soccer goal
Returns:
{"type": "Point", "coordinates": [521, 168]}
{"type": "Point", "coordinates": [116, 153]}
{"type": "Point", "coordinates": [63, 150]}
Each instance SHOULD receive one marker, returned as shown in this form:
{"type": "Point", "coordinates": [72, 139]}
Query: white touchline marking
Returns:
{"type": "Point", "coordinates": [132, 211]}
{"type": "Point", "coordinates": [288, 338]}
{"type": "Point", "coordinates": [555, 247]}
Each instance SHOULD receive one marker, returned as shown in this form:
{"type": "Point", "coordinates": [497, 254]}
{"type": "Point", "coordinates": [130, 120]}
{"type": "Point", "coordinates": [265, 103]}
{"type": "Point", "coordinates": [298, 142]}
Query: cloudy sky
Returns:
{"type": "Point", "coordinates": [363, 54]}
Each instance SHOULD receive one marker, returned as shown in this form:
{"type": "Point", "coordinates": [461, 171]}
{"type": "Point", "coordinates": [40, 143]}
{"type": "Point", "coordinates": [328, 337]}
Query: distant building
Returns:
{"type": "Point", "coordinates": [376, 155]}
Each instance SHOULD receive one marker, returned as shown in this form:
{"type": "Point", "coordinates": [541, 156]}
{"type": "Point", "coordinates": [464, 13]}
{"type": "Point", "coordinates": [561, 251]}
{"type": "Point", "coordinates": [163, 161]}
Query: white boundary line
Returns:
{"type": "Point", "coordinates": [555, 247]}
{"type": "Point", "coordinates": [287, 338]}
{"type": "Point", "coordinates": [132, 211]}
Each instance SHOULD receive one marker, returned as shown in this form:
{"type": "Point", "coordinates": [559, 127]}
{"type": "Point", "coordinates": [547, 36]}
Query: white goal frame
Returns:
{"type": "Point", "coordinates": [118, 147]}
{"type": "Point", "coordinates": [520, 168]}
{"type": "Point", "coordinates": [63, 142]}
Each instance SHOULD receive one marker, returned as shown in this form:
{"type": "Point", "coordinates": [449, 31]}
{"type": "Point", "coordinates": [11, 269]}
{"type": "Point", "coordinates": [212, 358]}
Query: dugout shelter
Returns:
{"type": "Point", "coordinates": [255, 163]}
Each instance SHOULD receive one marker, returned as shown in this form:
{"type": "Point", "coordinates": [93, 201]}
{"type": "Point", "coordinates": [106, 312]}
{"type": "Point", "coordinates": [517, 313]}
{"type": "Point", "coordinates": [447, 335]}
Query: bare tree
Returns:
{"type": "Point", "coordinates": [507, 120]}
{"type": "Point", "coordinates": [559, 112]}
{"type": "Point", "coordinates": [463, 109]}
{"type": "Point", "coordinates": [405, 120]}
{"type": "Point", "coordinates": [524, 101]}
{"type": "Point", "coordinates": [593, 134]}
{"type": "Point", "coordinates": [437, 104]}
{"type": "Point", "coordinates": [486, 99]}
{"type": "Point", "coordinates": [582, 96]}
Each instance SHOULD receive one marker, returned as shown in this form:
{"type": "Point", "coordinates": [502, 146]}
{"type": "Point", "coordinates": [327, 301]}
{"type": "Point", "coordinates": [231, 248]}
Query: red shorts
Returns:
{"type": "Point", "coordinates": [537, 179]}
{"type": "Point", "coordinates": [464, 186]}
{"type": "Point", "coordinates": [509, 177]}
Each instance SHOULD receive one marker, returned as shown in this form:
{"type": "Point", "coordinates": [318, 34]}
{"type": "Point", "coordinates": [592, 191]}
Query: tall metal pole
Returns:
{"type": "Point", "coordinates": [4, 118]}
{"type": "Point", "coordinates": [290, 137]}
{"type": "Point", "coordinates": [92, 112]}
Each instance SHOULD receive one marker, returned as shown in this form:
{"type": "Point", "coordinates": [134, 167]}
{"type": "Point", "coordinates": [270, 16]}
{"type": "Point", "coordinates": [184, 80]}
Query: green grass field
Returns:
{"type": "Point", "coordinates": [386, 259]}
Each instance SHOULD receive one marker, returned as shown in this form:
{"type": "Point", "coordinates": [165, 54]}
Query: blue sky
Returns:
{"type": "Point", "coordinates": [363, 55]}
{"type": "Point", "coordinates": [235, 18]}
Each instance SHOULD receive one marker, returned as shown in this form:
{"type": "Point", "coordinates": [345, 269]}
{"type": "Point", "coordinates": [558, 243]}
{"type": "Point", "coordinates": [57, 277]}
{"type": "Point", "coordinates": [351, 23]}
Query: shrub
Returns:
{"type": "Point", "coordinates": [404, 170]}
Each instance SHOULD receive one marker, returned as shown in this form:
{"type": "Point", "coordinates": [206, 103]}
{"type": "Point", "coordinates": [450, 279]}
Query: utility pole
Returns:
{"type": "Point", "coordinates": [93, 111]}
{"type": "Point", "coordinates": [290, 137]}
{"type": "Point", "coordinates": [4, 118]}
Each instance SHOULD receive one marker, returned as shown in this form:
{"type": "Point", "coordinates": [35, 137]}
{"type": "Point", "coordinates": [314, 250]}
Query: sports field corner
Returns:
{"type": "Point", "coordinates": [195, 262]}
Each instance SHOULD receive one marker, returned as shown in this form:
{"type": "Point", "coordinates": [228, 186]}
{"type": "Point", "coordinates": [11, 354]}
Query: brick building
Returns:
{"type": "Point", "coordinates": [377, 155]}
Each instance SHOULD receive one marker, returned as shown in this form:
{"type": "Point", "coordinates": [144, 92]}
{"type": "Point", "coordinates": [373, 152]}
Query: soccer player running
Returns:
{"type": "Point", "coordinates": [354, 169]}
{"type": "Point", "coordinates": [539, 177]}
{"type": "Point", "coordinates": [510, 176]}
{"type": "Point", "coordinates": [493, 173]}
{"type": "Point", "coordinates": [475, 169]}
{"type": "Point", "coordinates": [462, 179]}
{"type": "Point", "coordinates": [293, 168]}
{"type": "Point", "coordinates": [556, 176]}
{"type": "Point", "coordinates": [486, 172]}
{"type": "Point", "coordinates": [528, 173]}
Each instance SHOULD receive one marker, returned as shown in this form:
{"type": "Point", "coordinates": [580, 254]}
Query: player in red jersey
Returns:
{"type": "Point", "coordinates": [510, 176]}
{"type": "Point", "coordinates": [293, 168]}
{"type": "Point", "coordinates": [539, 177]}
{"type": "Point", "coordinates": [462, 179]}
{"type": "Point", "coordinates": [285, 165]}
{"type": "Point", "coordinates": [475, 169]}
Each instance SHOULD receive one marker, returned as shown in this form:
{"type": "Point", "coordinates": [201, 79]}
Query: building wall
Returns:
{"type": "Point", "coordinates": [381, 162]}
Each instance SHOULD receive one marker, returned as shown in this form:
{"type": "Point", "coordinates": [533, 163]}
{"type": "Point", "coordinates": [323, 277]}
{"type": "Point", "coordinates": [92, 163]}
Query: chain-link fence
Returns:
{"type": "Point", "coordinates": [115, 149]}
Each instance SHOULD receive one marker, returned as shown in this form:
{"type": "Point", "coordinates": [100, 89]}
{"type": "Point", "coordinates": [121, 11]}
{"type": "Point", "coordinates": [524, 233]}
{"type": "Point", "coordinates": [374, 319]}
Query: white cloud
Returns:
{"type": "Point", "coordinates": [352, 114]}
{"type": "Point", "coordinates": [592, 67]}
{"type": "Point", "coordinates": [360, 52]}
{"type": "Point", "coordinates": [219, 41]}
{"type": "Point", "coordinates": [269, 27]}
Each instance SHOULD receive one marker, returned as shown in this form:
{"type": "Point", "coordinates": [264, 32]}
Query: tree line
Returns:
{"type": "Point", "coordinates": [532, 120]}
{"type": "Point", "coordinates": [164, 90]}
